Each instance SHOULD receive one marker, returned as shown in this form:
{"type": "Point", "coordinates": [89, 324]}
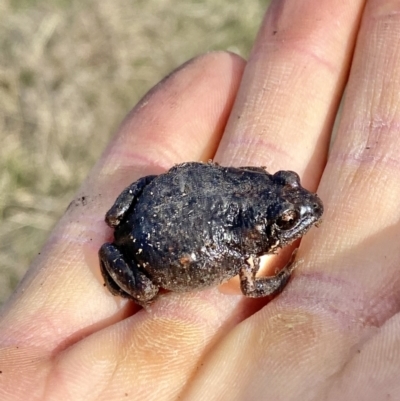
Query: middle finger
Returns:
{"type": "Point", "coordinates": [284, 111]}
{"type": "Point", "coordinates": [291, 87]}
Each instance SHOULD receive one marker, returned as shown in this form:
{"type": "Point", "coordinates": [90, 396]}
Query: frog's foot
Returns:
{"type": "Point", "coordinates": [124, 280]}
{"type": "Point", "coordinates": [256, 287]}
{"type": "Point", "coordinates": [125, 200]}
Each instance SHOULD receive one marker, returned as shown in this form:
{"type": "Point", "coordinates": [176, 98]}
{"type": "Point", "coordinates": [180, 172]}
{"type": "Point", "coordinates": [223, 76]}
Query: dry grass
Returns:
{"type": "Point", "coordinates": [69, 72]}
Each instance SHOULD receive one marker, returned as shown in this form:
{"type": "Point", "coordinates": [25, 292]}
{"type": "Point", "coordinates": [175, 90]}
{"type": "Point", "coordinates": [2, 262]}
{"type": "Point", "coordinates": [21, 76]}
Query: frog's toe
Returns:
{"type": "Point", "coordinates": [256, 287]}
{"type": "Point", "coordinates": [123, 279]}
{"type": "Point", "coordinates": [109, 282]}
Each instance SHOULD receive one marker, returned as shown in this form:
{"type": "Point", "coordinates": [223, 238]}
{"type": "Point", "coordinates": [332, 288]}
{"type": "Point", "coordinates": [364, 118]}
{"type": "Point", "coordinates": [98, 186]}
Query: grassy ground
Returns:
{"type": "Point", "coordinates": [69, 72]}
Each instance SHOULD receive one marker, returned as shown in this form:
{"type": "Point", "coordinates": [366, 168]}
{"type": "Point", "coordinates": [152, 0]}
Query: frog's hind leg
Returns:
{"type": "Point", "coordinates": [256, 287]}
{"type": "Point", "coordinates": [123, 279]}
{"type": "Point", "coordinates": [126, 199]}
{"type": "Point", "coordinates": [110, 283]}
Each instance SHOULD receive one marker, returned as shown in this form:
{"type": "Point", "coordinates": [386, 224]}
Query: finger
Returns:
{"type": "Point", "coordinates": [181, 119]}
{"type": "Point", "coordinates": [309, 340]}
{"type": "Point", "coordinates": [149, 356]}
{"type": "Point", "coordinates": [291, 87]}
{"type": "Point", "coordinates": [377, 358]}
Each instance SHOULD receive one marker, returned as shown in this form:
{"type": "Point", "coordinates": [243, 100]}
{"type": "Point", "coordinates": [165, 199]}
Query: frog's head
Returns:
{"type": "Point", "coordinates": [295, 211]}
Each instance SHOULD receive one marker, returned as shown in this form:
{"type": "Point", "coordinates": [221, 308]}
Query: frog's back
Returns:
{"type": "Point", "coordinates": [198, 194]}
{"type": "Point", "coordinates": [187, 221]}
{"type": "Point", "coordinates": [204, 181]}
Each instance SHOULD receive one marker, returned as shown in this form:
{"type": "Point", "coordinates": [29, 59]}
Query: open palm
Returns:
{"type": "Point", "coordinates": [334, 333]}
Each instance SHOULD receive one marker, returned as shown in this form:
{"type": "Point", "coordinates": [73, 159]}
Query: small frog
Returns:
{"type": "Point", "coordinates": [200, 224]}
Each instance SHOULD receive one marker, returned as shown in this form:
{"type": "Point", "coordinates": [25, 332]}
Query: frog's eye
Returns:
{"type": "Point", "coordinates": [287, 219]}
{"type": "Point", "coordinates": [289, 178]}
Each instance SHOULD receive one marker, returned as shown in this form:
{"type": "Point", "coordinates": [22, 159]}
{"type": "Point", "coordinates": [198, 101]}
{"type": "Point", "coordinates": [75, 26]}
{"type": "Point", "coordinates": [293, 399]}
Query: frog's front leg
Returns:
{"type": "Point", "coordinates": [123, 279]}
{"type": "Point", "coordinates": [256, 287]}
{"type": "Point", "coordinates": [125, 200]}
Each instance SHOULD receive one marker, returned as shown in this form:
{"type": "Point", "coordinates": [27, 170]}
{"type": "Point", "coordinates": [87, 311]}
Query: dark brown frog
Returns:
{"type": "Point", "coordinates": [200, 224]}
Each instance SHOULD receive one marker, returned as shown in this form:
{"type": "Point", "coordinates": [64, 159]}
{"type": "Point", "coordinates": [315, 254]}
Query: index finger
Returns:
{"type": "Point", "coordinates": [181, 119]}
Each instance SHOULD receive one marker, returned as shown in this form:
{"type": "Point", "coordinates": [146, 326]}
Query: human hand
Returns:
{"type": "Point", "coordinates": [333, 333]}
